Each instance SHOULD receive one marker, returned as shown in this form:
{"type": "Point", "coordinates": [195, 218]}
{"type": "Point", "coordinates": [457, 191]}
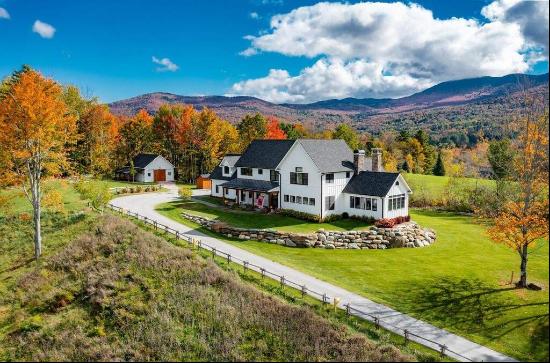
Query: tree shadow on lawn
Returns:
{"type": "Point", "coordinates": [475, 307]}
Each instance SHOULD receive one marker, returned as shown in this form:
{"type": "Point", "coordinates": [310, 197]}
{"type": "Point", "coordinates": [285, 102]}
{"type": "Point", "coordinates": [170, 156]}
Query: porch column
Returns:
{"type": "Point", "coordinates": [223, 195]}
{"type": "Point", "coordinates": [269, 200]}
{"type": "Point", "coordinates": [237, 196]}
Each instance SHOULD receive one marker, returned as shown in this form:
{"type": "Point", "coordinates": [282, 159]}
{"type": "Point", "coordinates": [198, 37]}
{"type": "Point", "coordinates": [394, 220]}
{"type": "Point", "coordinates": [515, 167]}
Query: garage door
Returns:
{"type": "Point", "coordinates": [159, 175]}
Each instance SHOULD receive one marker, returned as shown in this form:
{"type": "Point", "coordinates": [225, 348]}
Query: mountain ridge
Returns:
{"type": "Point", "coordinates": [478, 98]}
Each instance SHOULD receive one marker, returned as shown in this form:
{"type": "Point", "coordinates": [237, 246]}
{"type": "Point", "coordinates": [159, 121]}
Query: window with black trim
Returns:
{"type": "Point", "coordinates": [396, 202]}
{"type": "Point", "coordinates": [226, 169]}
{"type": "Point", "coordinates": [286, 198]}
{"type": "Point", "coordinates": [311, 201]}
{"type": "Point", "coordinates": [260, 171]}
{"type": "Point", "coordinates": [329, 178]}
{"type": "Point", "coordinates": [273, 175]}
{"type": "Point", "coordinates": [347, 174]}
{"type": "Point", "coordinates": [329, 202]}
{"type": "Point", "coordinates": [246, 171]}
{"type": "Point", "coordinates": [298, 178]}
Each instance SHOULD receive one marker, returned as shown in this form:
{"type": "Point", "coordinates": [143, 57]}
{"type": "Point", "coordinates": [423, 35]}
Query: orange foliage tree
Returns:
{"type": "Point", "coordinates": [524, 220]}
{"type": "Point", "coordinates": [36, 129]}
{"type": "Point", "coordinates": [274, 131]}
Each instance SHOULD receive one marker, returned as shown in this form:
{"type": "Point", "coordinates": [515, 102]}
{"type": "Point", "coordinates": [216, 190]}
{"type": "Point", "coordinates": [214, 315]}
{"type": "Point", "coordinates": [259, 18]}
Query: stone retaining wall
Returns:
{"type": "Point", "coordinates": [404, 235]}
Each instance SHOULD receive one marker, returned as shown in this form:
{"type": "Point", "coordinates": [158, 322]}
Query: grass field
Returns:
{"type": "Point", "coordinates": [460, 283]}
{"type": "Point", "coordinates": [246, 219]}
{"type": "Point", "coordinates": [116, 294]}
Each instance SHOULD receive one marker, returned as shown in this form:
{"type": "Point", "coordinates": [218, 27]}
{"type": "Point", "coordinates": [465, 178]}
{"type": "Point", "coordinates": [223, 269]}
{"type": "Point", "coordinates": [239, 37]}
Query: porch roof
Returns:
{"type": "Point", "coordinates": [252, 185]}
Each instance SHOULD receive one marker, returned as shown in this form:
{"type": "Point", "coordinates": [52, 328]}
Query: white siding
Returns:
{"type": "Point", "coordinates": [297, 157]}
{"type": "Point", "coordinates": [158, 163]}
{"type": "Point", "coordinates": [397, 190]}
{"type": "Point", "coordinates": [362, 212]}
{"type": "Point", "coordinates": [255, 174]}
{"type": "Point", "coordinates": [335, 189]}
{"type": "Point", "coordinates": [215, 182]}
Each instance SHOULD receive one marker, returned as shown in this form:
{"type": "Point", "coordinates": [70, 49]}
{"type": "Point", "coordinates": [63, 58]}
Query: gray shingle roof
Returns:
{"type": "Point", "coordinates": [230, 159]}
{"type": "Point", "coordinates": [143, 159]}
{"type": "Point", "coordinates": [329, 155]}
{"type": "Point", "coordinates": [251, 184]}
{"type": "Point", "coordinates": [217, 174]}
{"type": "Point", "coordinates": [376, 184]}
{"type": "Point", "coordinates": [264, 154]}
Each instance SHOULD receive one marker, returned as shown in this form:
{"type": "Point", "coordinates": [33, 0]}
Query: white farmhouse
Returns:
{"type": "Point", "coordinates": [147, 168]}
{"type": "Point", "coordinates": [318, 177]}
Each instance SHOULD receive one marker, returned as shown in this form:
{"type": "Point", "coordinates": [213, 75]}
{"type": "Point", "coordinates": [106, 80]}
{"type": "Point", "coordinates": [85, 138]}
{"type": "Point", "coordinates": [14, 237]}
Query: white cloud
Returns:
{"type": "Point", "coordinates": [166, 64]}
{"type": "Point", "coordinates": [249, 52]}
{"type": "Point", "coordinates": [531, 16]}
{"type": "Point", "coordinates": [254, 15]}
{"type": "Point", "coordinates": [382, 50]}
{"type": "Point", "coordinates": [43, 29]}
{"type": "Point", "coordinates": [4, 14]}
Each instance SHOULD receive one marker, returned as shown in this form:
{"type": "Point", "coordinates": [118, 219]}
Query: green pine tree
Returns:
{"type": "Point", "coordinates": [439, 168]}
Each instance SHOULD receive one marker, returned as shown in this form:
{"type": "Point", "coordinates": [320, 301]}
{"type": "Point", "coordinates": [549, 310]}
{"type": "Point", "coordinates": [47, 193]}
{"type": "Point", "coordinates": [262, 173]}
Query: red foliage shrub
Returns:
{"type": "Point", "coordinates": [391, 222]}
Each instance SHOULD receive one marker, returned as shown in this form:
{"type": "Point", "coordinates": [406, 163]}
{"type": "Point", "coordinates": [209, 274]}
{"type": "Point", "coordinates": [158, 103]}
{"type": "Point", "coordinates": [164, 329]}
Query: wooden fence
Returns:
{"type": "Point", "coordinates": [303, 289]}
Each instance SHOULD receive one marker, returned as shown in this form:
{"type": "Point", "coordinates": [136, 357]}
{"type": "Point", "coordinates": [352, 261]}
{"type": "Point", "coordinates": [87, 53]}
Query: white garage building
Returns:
{"type": "Point", "coordinates": [148, 168]}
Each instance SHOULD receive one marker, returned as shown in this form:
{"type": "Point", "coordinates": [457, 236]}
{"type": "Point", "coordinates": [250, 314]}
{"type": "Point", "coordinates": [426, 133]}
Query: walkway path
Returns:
{"type": "Point", "coordinates": [144, 204]}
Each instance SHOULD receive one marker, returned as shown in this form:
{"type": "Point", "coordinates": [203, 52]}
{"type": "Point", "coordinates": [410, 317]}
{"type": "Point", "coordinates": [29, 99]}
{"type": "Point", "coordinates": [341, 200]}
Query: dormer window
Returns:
{"type": "Point", "coordinates": [299, 169]}
{"type": "Point", "coordinates": [226, 169]}
{"type": "Point", "coordinates": [260, 171]}
{"type": "Point", "coordinates": [397, 183]}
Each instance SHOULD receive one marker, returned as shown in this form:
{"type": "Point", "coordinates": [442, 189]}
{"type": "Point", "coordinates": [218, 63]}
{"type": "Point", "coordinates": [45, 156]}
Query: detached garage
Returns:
{"type": "Point", "coordinates": [148, 168]}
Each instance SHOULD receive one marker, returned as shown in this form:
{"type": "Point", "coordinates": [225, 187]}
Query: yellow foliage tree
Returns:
{"type": "Point", "coordinates": [36, 128]}
{"type": "Point", "coordinates": [525, 220]}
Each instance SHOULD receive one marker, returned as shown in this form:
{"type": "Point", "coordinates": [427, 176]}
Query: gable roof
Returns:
{"type": "Point", "coordinates": [264, 154]}
{"type": "Point", "coordinates": [230, 159]}
{"type": "Point", "coordinates": [144, 159]}
{"type": "Point", "coordinates": [329, 155]}
{"type": "Point", "coordinates": [376, 184]}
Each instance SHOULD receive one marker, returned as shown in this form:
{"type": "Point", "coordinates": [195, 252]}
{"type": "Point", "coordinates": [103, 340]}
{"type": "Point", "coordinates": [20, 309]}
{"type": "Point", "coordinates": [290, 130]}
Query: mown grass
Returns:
{"type": "Point", "coordinates": [460, 283]}
{"type": "Point", "coordinates": [119, 293]}
{"type": "Point", "coordinates": [280, 222]}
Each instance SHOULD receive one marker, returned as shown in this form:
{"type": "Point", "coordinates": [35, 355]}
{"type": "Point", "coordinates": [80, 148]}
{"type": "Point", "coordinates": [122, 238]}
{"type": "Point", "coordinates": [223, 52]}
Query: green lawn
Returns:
{"type": "Point", "coordinates": [120, 183]}
{"type": "Point", "coordinates": [460, 283]}
{"type": "Point", "coordinates": [246, 219]}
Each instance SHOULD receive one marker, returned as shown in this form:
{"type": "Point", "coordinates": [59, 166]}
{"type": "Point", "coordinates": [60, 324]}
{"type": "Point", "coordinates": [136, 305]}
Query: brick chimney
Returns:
{"type": "Point", "coordinates": [359, 161]}
{"type": "Point", "coordinates": [377, 159]}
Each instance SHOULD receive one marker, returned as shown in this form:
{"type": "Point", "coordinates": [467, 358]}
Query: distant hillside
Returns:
{"type": "Point", "coordinates": [489, 97]}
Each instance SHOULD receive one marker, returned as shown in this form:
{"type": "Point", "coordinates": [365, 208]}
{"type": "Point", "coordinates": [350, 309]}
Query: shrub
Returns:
{"type": "Point", "coordinates": [139, 189]}
{"type": "Point", "coordinates": [300, 215]}
{"type": "Point", "coordinates": [185, 193]}
{"type": "Point", "coordinates": [365, 219]}
{"type": "Point", "coordinates": [97, 193]}
{"type": "Point", "coordinates": [385, 223]}
{"type": "Point", "coordinates": [391, 222]}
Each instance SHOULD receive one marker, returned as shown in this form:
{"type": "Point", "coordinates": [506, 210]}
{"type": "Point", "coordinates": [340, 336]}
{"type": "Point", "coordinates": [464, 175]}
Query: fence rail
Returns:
{"type": "Point", "coordinates": [326, 299]}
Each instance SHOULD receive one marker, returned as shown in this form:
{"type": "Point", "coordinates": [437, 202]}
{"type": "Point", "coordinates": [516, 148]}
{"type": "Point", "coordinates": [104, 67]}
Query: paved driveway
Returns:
{"type": "Point", "coordinates": [390, 319]}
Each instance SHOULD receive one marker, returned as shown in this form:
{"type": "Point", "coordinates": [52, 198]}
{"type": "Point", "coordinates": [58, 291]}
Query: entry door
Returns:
{"type": "Point", "coordinates": [274, 200]}
{"type": "Point", "coordinates": [159, 175]}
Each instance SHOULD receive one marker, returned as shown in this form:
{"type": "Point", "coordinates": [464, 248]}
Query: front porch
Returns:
{"type": "Point", "coordinates": [255, 193]}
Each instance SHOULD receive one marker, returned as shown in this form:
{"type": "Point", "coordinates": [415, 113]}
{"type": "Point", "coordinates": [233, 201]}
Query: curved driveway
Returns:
{"type": "Point", "coordinates": [145, 204]}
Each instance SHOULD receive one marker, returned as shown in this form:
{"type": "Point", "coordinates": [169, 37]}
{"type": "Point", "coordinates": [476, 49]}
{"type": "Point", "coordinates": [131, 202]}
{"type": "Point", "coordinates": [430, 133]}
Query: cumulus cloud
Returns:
{"type": "Point", "coordinates": [43, 29]}
{"type": "Point", "coordinates": [382, 50]}
{"type": "Point", "coordinates": [254, 15]}
{"type": "Point", "coordinates": [165, 64]}
{"type": "Point", "coordinates": [531, 16]}
{"type": "Point", "coordinates": [4, 14]}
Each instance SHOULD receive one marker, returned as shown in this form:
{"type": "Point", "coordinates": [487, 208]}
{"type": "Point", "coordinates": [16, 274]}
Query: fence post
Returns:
{"type": "Point", "coordinates": [282, 281]}
{"type": "Point", "coordinates": [199, 243]}
{"type": "Point", "coordinates": [376, 322]}
{"type": "Point", "coordinates": [228, 258]}
{"type": "Point", "coordinates": [177, 235]}
{"type": "Point", "coordinates": [245, 266]}
{"type": "Point", "coordinates": [213, 252]}
{"type": "Point", "coordinates": [336, 301]}
{"type": "Point", "coordinates": [443, 347]}
{"type": "Point", "coordinates": [304, 290]}
{"type": "Point", "coordinates": [156, 225]}
{"type": "Point", "coordinates": [406, 336]}
{"type": "Point", "coordinates": [348, 309]}
{"type": "Point", "coordinates": [262, 271]}
{"type": "Point", "coordinates": [324, 298]}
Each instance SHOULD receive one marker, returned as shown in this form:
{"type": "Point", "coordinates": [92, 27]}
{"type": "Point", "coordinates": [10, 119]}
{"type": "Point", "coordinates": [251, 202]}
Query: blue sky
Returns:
{"type": "Point", "coordinates": [106, 48]}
